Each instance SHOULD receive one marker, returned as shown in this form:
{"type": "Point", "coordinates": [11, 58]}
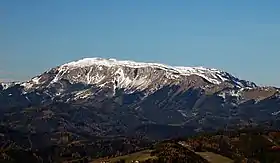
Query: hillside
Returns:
{"type": "Point", "coordinates": [222, 147]}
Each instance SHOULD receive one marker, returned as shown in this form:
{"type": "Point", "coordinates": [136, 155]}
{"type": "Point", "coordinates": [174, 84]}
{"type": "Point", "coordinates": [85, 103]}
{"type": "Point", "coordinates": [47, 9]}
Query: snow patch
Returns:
{"type": "Point", "coordinates": [27, 99]}
{"type": "Point", "coordinates": [36, 80]}
{"type": "Point", "coordinates": [231, 93]}
{"type": "Point", "coordinates": [184, 114]}
{"type": "Point", "coordinates": [222, 94]}
{"type": "Point", "coordinates": [61, 72]}
{"type": "Point", "coordinates": [7, 85]}
{"type": "Point", "coordinates": [275, 113]}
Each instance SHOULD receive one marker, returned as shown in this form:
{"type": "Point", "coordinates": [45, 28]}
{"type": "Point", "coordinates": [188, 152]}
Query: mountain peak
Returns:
{"type": "Point", "coordinates": [85, 62]}
{"type": "Point", "coordinates": [131, 76]}
{"type": "Point", "coordinates": [212, 75]}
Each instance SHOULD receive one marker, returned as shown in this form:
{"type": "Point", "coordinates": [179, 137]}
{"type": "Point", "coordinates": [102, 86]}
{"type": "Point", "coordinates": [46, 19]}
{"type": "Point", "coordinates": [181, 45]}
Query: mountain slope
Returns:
{"type": "Point", "coordinates": [104, 97]}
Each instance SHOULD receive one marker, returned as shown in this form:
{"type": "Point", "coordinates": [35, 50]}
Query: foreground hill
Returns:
{"type": "Point", "coordinates": [241, 146]}
{"type": "Point", "coordinates": [222, 147]}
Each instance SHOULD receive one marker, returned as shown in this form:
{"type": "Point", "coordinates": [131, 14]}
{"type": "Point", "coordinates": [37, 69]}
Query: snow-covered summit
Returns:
{"type": "Point", "coordinates": [212, 75]}
{"type": "Point", "coordinates": [114, 62]}
{"type": "Point", "coordinates": [86, 62]}
{"type": "Point", "coordinates": [129, 75]}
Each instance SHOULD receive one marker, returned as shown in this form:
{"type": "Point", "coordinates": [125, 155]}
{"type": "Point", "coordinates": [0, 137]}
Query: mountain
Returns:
{"type": "Point", "coordinates": [94, 107]}
{"type": "Point", "coordinates": [107, 97]}
{"type": "Point", "coordinates": [131, 76]}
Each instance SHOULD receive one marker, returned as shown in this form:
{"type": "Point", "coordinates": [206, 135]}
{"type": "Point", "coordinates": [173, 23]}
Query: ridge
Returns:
{"type": "Point", "coordinates": [85, 62]}
{"type": "Point", "coordinates": [212, 75]}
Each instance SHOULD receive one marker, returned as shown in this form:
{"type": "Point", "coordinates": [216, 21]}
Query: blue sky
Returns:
{"type": "Point", "coordinates": [241, 37]}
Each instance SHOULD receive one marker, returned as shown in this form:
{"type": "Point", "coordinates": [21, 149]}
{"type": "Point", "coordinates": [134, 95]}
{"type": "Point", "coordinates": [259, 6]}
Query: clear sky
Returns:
{"type": "Point", "coordinates": [238, 36]}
